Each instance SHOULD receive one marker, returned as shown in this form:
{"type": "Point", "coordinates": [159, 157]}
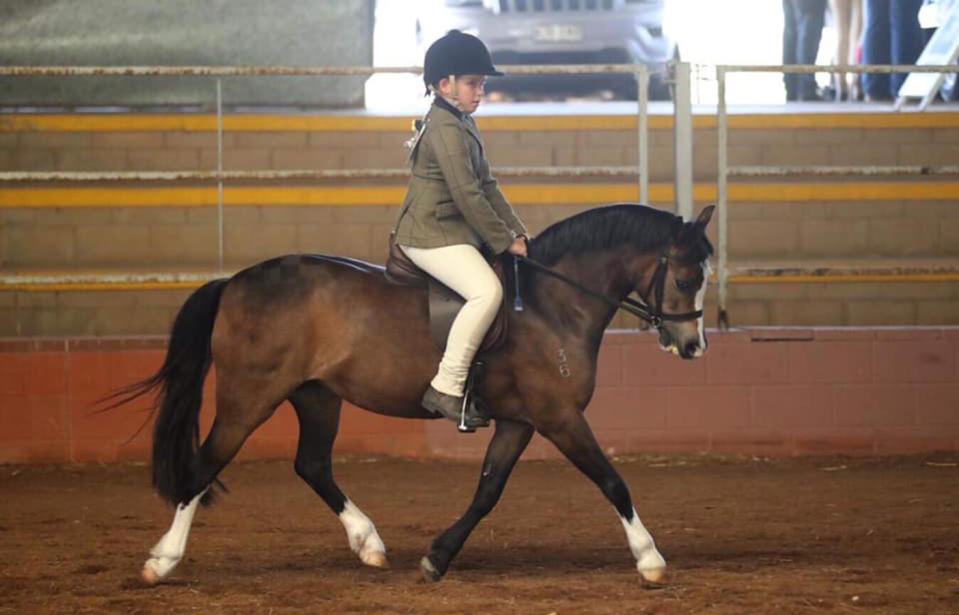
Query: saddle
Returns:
{"type": "Point", "coordinates": [444, 303]}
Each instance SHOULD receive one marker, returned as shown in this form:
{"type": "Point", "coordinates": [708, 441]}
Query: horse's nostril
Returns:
{"type": "Point", "coordinates": [691, 348]}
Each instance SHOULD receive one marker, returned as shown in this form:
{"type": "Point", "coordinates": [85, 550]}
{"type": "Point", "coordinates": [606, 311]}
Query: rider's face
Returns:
{"type": "Point", "coordinates": [467, 90]}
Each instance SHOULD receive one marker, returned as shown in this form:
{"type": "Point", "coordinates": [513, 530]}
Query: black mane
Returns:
{"type": "Point", "coordinates": [606, 227]}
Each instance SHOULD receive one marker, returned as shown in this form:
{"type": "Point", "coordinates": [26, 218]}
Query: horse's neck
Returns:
{"type": "Point", "coordinates": [577, 312]}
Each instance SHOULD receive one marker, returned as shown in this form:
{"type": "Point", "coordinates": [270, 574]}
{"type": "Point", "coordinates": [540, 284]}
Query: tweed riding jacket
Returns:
{"type": "Point", "coordinates": [452, 197]}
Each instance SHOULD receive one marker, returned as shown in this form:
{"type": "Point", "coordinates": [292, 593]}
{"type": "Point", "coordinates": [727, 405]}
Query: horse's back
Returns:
{"type": "Point", "coordinates": [288, 280]}
{"type": "Point", "coordinates": [335, 320]}
{"type": "Point", "coordinates": [299, 293]}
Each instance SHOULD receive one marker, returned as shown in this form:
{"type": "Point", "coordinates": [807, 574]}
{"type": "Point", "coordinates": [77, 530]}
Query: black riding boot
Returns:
{"type": "Point", "coordinates": [451, 407]}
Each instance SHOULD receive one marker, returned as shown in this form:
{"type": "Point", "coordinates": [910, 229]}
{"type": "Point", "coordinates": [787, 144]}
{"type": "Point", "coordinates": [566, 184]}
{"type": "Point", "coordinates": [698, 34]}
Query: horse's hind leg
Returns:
{"type": "Point", "coordinates": [167, 553]}
{"type": "Point", "coordinates": [318, 410]}
{"type": "Point", "coordinates": [575, 440]}
{"type": "Point", "coordinates": [509, 441]}
{"type": "Point", "coordinates": [235, 421]}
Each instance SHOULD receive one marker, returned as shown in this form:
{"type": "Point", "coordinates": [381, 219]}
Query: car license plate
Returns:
{"type": "Point", "coordinates": [558, 33]}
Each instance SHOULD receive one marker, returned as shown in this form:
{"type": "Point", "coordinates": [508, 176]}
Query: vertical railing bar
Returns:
{"type": "Point", "coordinates": [219, 168]}
{"type": "Point", "coordinates": [722, 204]}
{"type": "Point", "coordinates": [642, 80]}
{"type": "Point", "coordinates": [683, 139]}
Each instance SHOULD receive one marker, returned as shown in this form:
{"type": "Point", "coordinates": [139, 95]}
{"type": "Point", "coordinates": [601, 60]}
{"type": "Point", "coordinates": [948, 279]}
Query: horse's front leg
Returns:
{"type": "Point", "coordinates": [575, 439]}
{"type": "Point", "coordinates": [508, 443]}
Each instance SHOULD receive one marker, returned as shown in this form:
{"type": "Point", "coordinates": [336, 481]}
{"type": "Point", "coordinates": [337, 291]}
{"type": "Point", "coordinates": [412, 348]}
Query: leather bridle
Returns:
{"type": "Point", "coordinates": [657, 285]}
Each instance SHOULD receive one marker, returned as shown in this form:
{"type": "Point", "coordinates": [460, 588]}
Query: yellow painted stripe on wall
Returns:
{"type": "Point", "coordinates": [851, 191]}
{"type": "Point", "coordinates": [558, 194]}
{"type": "Point", "coordinates": [108, 197]}
{"type": "Point", "coordinates": [547, 123]}
{"type": "Point", "coordinates": [197, 197]}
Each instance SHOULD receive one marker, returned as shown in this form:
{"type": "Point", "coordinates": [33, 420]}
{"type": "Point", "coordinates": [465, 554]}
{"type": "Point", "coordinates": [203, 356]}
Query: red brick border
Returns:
{"type": "Point", "coordinates": [766, 391]}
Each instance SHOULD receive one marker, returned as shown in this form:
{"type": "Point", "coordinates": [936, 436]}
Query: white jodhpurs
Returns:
{"type": "Point", "coordinates": [463, 269]}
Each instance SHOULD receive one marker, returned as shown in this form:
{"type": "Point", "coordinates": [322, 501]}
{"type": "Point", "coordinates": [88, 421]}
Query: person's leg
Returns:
{"type": "Point", "coordinates": [789, 47]}
{"type": "Point", "coordinates": [841, 10]}
{"type": "Point", "coordinates": [876, 48]}
{"type": "Point", "coordinates": [906, 36]}
{"type": "Point", "coordinates": [463, 269]}
{"type": "Point", "coordinates": [811, 17]}
{"type": "Point", "coordinates": [855, 42]}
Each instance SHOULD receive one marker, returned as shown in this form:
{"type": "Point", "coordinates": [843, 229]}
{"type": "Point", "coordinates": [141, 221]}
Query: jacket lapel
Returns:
{"type": "Point", "coordinates": [473, 131]}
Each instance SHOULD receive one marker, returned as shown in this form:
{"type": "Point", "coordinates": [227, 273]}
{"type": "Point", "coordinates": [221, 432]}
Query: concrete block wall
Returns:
{"type": "Point", "coordinates": [189, 142]}
{"type": "Point", "coordinates": [159, 226]}
{"type": "Point", "coordinates": [756, 392]}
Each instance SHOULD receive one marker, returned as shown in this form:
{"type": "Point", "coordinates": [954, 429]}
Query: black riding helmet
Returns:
{"type": "Point", "coordinates": [456, 53]}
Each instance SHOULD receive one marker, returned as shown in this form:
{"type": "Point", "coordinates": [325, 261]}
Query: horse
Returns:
{"type": "Point", "coordinates": [316, 330]}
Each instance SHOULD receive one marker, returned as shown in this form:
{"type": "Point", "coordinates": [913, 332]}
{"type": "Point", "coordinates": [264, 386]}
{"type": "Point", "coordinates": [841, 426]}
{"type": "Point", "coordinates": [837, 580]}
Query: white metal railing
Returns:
{"type": "Point", "coordinates": [724, 170]}
{"type": "Point", "coordinates": [640, 71]}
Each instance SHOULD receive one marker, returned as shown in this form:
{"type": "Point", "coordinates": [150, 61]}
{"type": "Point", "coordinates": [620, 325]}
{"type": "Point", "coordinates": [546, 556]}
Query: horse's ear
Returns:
{"type": "Point", "coordinates": [705, 215]}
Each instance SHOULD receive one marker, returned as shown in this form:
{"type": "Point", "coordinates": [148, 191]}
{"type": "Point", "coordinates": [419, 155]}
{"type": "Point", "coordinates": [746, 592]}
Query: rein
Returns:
{"type": "Point", "coordinates": [636, 308]}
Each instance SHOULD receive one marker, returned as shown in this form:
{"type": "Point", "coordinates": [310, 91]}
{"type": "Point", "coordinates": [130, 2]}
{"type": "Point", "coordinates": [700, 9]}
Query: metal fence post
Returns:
{"type": "Point", "coordinates": [219, 169]}
{"type": "Point", "coordinates": [683, 139]}
{"type": "Point", "coordinates": [642, 81]}
{"type": "Point", "coordinates": [721, 200]}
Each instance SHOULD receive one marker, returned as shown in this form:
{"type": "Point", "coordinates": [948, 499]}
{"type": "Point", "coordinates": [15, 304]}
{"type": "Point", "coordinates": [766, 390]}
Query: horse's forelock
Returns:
{"type": "Point", "coordinates": [694, 243]}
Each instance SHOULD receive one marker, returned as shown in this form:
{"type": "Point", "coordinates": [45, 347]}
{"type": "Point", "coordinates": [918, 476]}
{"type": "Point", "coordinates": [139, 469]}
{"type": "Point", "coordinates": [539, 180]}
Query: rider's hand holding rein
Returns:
{"type": "Point", "coordinates": [518, 247]}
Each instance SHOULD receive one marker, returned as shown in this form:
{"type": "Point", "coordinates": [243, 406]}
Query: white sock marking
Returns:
{"type": "Point", "coordinates": [641, 544]}
{"type": "Point", "coordinates": [168, 552]}
{"type": "Point", "coordinates": [360, 531]}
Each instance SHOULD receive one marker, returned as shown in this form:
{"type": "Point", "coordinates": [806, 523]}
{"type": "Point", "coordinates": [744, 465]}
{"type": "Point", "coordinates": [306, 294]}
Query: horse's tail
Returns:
{"type": "Point", "coordinates": [179, 381]}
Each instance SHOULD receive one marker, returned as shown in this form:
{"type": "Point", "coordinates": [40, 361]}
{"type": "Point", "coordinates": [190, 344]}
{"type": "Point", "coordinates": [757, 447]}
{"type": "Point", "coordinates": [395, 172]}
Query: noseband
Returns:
{"type": "Point", "coordinates": [641, 309]}
{"type": "Point", "coordinates": [657, 284]}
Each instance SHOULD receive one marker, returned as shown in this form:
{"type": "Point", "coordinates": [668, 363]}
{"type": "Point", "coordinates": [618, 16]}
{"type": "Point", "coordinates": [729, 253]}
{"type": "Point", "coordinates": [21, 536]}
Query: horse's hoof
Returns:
{"type": "Point", "coordinates": [376, 559]}
{"type": "Point", "coordinates": [430, 573]}
{"type": "Point", "coordinates": [654, 576]}
{"type": "Point", "coordinates": [149, 575]}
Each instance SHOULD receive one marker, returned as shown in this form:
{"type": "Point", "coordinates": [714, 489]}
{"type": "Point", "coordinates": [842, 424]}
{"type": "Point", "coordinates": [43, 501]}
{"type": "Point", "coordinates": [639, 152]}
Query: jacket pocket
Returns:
{"type": "Point", "coordinates": [447, 209]}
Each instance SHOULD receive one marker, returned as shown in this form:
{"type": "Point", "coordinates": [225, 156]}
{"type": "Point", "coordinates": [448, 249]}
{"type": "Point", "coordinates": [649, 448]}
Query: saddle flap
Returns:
{"type": "Point", "coordinates": [445, 304]}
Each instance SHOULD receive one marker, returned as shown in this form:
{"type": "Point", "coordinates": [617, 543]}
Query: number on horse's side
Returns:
{"type": "Point", "coordinates": [317, 330]}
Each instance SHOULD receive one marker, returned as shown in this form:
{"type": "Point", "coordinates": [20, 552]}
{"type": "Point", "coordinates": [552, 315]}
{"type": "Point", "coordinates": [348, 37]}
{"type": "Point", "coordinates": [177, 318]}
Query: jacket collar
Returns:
{"type": "Point", "coordinates": [467, 120]}
{"type": "Point", "coordinates": [440, 102]}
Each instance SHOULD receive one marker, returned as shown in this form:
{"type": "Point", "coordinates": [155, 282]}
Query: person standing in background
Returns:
{"type": "Point", "coordinates": [802, 31]}
{"type": "Point", "coordinates": [892, 36]}
{"type": "Point", "coordinates": [848, 16]}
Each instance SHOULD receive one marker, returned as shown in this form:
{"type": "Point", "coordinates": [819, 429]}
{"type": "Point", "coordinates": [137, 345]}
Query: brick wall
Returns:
{"type": "Point", "coordinates": [760, 391]}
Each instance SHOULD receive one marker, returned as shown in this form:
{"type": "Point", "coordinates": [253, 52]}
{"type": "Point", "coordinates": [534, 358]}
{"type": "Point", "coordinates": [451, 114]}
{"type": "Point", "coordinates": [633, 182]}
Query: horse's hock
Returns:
{"type": "Point", "coordinates": [81, 228]}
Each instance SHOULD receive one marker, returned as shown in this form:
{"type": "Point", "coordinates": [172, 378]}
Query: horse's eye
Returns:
{"type": "Point", "coordinates": [682, 285]}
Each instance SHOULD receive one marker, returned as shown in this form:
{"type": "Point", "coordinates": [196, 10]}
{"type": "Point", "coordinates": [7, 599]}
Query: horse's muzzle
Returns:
{"type": "Point", "coordinates": [688, 349]}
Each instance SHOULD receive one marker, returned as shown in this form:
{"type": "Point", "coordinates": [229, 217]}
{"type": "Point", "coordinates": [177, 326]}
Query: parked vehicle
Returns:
{"type": "Point", "coordinates": [560, 32]}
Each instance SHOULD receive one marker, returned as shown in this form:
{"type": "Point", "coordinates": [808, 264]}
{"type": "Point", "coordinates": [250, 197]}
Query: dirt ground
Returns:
{"type": "Point", "coordinates": [742, 535]}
